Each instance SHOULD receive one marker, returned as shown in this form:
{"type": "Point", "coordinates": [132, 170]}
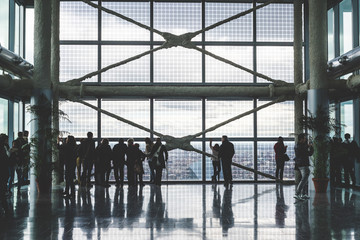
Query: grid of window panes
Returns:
{"type": "Point", "coordinates": [89, 45]}
{"type": "Point", "coordinates": [275, 23]}
{"type": "Point", "coordinates": [177, 118]}
{"type": "Point", "coordinates": [114, 28]}
{"type": "Point", "coordinates": [134, 71]}
{"type": "Point", "coordinates": [266, 159]}
{"type": "Point", "coordinates": [80, 119]}
{"type": "Point", "coordinates": [219, 71]}
{"type": "Point", "coordinates": [237, 30]}
{"type": "Point", "coordinates": [136, 111]}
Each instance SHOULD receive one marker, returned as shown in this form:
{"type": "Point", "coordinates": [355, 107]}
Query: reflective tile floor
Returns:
{"type": "Point", "coordinates": [248, 211]}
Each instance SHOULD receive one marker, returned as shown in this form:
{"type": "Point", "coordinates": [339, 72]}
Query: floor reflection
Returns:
{"type": "Point", "coordinates": [248, 211]}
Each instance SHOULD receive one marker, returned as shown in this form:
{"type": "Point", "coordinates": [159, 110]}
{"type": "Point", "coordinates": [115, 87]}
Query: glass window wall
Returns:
{"type": "Point", "coordinates": [4, 23]}
{"type": "Point", "coordinates": [346, 26]}
{"type": "Point", "coordinates": [347, 118]}
{"type": "Point", "coordinates": [4, 113]}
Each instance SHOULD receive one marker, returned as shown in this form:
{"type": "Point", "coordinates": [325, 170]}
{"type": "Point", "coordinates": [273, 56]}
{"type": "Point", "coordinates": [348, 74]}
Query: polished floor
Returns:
{"type": "Point", "coordinates": [248, 211]}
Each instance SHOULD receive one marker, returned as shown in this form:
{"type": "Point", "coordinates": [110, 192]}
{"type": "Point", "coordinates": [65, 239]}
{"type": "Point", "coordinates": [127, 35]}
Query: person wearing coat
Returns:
{"type": "Point", "coordinates": [70, 154]}
{"type": "Point", "coordinates": [280, 150]}
{"type": "Point", "coordinates": [226, 153]}
{"type": "Point", "coordinates": [119, 152]}
{"type": "Point", "coordinates": [159, 156]}
{"type": "Point", "coordinates": [103, 163]}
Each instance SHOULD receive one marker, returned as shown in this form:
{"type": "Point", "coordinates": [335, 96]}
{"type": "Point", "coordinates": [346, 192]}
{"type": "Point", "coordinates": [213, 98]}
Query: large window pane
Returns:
{"type": "Point", "coordinates": [347, 118]}
{"type": "Point", "coordinates": [346, 34]}
{"type": "Point", "coordinates": [134, 71]}
{"type": "Point", "coordinates": [136, 111]}
{"type": "Point", "coordinates": [177, 65]}
{"type": "Point", "coordinates": [276, 120]}
{"type": "Point", "coordinates": [29, 35]}
{"type": "Point", "coordinates": [275, 22]}
{"type": "Point", "coordinates": [331, 37]}
{"type": "Point", "coordinates": [220, 111]}
{"type": "Point", "coordinates": [83, 119]}
{"type": "Point", "coordinates": [177, 118]}
{"type": "Point", "coordinates": [115, 28]}
{"type": "Point", "coordinates": [16, 118]}
{"type": "Point", "coordinates": [4, 23]}
{"type": "Point", "coordinates": [244, 155]}
{"type": "Point", "coordinates": [236, 30]}
{"type": "Point", "coordinates": [266, 160]}
{"type": "Point", "coordinates": [177, 18]}
{"type": "Point", "coordinates": [184, 165]}
{"type": "Point", "coordinates": [276, 62]}
{"type": "Point", "coordinates": [4, 113]}
{"type": "Point", "coordinates": [79, 21]}
{"type": "Point", "coordinates": [77, 61]}
{"type": "Point", "coordinates": [218, 71]}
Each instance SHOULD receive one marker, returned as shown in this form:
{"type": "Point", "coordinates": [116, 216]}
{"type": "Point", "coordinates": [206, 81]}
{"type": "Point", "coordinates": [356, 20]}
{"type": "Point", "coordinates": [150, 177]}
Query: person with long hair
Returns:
{"type": "Point", "coordinates": [280, 150]}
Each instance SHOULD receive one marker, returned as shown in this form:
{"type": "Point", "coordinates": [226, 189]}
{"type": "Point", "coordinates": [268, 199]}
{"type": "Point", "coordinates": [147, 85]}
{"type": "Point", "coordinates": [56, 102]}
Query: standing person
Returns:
{"type": "Point", "coordinates": [70, 154]}
{"type": "Point", "coordinates": [302, 152]}
{"type": "Point", "coordinates": [215, 161]}
{"type": "Point", "coordinates": [103, 165]}
{"type": "Point", "coordinates": [20, 169]}
{"type": "Point", "coordinates": [337, 151]}
{"type": "Point", "coordinates": [87, 154]}
{"type": "Point", "coordinates": [138, 167]}
{"type": "Point", "coordinates": [14, 159]}
{"type": "Point", "coordinates": [280, 150]}
{"type": "Point", "coordinates": [119, 151]}
{"type": "Point", "coordinates": [349, 160]}
{"type": "Point", "coordinates": [159, 156]}
{"type": "Point", "coordinates": [226, 153]}
{"type": "Point", "coordinates": [4, 171]}
{"type": "Point", "coordinates": [131, 155]}
{"type": "Point", "coordinates": [149, 145]}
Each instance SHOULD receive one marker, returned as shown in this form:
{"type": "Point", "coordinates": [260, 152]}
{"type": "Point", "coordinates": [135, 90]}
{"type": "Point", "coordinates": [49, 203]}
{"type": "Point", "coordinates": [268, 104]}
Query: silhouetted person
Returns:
{"type": "Point", "coordinates": [14, 160]}
{"type": "Point", "coordinates": [226, 153]}
{"type": "Point", "coordinates": [215, 161]}
{"type": "Point", "coordinates": [337, 151]}
{"type": "Point", "coordinates": [139, 169]}
{"type": "Point", "coordinates": [302, 152]}
{"type": "Point", "coordinates": [4, 172]}
{"type": "Point", "coordinates": [119, 151]}
{"type": "Point", "coordinates": [159, 157]}
{"type": "Point", "coordinates": [20, 170]}
{"type": "Point", "coordinates": [87, 154]}
{"type": "Point", "coordinates": [131, 155]}
{"type": "Point", "coordinates": [148, 147]}
{"type": "Point", "coordinates": [70, 155]}
{"type": "Point", "coordinates": [103, 163]}
{"type": "Point", "coordinates": [349, 160]}
{"type": "Point", "coordinates": [280, 150]}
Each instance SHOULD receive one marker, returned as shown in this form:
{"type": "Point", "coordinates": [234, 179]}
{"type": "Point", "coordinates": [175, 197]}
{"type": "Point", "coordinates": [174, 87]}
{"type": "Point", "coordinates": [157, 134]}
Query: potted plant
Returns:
{"type": "Point", "coordinates": [320, 124]}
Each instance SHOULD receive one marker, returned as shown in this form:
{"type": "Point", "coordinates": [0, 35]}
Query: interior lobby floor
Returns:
{"type": "Point", "coordinates": [193, 211]}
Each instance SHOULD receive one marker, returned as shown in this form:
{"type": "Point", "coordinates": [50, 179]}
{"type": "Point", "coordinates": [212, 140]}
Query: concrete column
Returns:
{"type": "Point", "coordinates": [318, 93]}
{"type": "Point", "coordinates": [55, 61]}
{"type": "Point", "coordinates": [298, 74]}
{"type": "Point", "coordinates": [42, 95]}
